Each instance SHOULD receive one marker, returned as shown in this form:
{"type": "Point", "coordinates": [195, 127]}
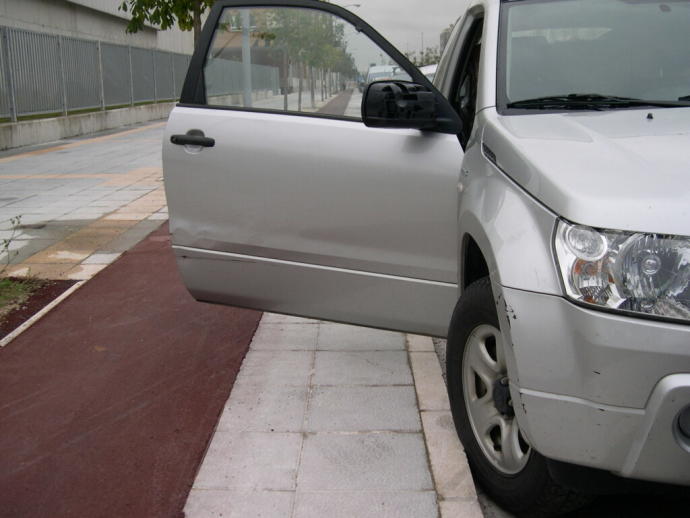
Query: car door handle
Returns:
{"type": "Point", "coordinates": [192, 140]}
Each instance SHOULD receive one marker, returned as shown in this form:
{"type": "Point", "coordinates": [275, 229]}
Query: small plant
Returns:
{"type": "Point", "coordinates": [6, 242]}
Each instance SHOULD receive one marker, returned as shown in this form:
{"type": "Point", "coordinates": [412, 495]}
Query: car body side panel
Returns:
{"type": "Point", "coordinates": [512, 230]}
{"type": "Point", "coordinates": [319, 191]}
{"type": "Point", "coordinates": [336, 294]}
{"type": "Point", "coordinates": [296, 192]}
{"type": "Point", "coordinates": [604, 358]}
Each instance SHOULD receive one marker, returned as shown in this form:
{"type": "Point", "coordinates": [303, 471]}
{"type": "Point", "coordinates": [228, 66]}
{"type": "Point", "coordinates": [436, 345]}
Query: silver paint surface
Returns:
{"type": "Point", "coordinates": [329, 219]}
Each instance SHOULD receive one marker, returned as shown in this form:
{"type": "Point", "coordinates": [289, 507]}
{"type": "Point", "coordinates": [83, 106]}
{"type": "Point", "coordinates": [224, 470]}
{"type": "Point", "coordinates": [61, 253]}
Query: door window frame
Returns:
{"type": "Point", "coordinates": [473, 23]}
{"type": "Point", "coordinates": [194, 92]}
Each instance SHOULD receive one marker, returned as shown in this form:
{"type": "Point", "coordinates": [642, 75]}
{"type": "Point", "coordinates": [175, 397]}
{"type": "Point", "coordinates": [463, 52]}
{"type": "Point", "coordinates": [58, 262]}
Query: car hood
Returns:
{"type": "Point", "coordinates": [622, 169]}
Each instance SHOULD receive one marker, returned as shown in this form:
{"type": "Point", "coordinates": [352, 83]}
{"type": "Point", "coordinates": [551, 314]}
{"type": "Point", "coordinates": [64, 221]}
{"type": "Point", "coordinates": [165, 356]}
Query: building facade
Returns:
{"type": "Point", "coordinates": [90, 19]}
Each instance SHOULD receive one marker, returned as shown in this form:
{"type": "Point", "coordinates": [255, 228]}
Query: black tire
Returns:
{"type": "Point", "coordinates": [532, 491]}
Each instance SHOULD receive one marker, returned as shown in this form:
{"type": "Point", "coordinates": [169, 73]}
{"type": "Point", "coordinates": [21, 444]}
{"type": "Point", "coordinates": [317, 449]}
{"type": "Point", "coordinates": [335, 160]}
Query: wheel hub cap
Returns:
{"type": "Point", "coordinates": [501, 397]}
{"type": "Point", "coordinates": [487, 399]}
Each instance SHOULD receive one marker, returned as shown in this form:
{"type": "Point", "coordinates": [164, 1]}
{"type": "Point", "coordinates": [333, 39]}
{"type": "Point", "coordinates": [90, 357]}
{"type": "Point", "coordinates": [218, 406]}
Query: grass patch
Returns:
{"type": "Point", "coordinates": [15, 292]}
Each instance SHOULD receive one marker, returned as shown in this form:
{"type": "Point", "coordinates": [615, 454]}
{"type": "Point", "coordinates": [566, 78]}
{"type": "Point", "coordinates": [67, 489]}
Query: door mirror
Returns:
{"type": "Point", "coordinates": [403, 104]}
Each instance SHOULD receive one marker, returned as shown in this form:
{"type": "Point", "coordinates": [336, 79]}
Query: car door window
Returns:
{"type": "Point", "coordinates": [294, 60]}
{"type": "Point", "coordinates": [449, 57]}
{"type": "Point", "coordinates": [464, 94]}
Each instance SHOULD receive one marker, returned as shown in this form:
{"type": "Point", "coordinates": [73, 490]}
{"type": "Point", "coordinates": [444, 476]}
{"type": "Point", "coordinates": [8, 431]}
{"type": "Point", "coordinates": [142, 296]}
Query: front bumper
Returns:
{"type": "Point", "coordinates": [597, 389]}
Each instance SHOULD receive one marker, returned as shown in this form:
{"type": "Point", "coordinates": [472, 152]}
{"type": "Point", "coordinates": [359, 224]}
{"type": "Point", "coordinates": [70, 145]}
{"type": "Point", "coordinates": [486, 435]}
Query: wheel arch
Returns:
{"type": "Point", "coordinates": [474, 264]}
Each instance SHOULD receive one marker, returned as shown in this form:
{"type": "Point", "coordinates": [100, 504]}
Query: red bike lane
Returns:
{"type": "Point", "coordinates": [107, 404]}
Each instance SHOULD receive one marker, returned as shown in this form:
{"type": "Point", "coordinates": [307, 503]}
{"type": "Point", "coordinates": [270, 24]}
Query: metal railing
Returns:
{"type": "Point", "coordinates": [226, 77]}
{"type": "Point", "coordinates": [47, 74]}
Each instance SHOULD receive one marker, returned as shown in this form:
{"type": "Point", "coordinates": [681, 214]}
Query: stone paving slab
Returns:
{"type": "Point", "coordinates": [372, 408]}
{"type": "Point", "coordinates": [80, 202]}
{"type": "Point", "coordinates": [238, 503]}
{"type": "Point", "coordinates": [369, 504]}
{"type": "Point", "coordinates": [364, 462]}
{"type": "Point", "coordinates": [362, 368]}
{"type": "Point", "coordinates": [323, 420]}
{"type": "Point", "coordinates": [251, 461]}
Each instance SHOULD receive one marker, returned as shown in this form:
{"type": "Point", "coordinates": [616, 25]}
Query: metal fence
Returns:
{"type": "Point", "coordinates": [50, 74]}
{"type": "Point", "coordinates": [225, 77]}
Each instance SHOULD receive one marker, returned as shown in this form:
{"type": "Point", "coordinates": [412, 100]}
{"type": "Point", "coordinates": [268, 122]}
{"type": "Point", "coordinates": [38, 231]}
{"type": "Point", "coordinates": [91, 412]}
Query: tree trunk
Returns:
{"type": "Point", "coordinates": [300, 68]}
{"type": "Point", "coordinates": [197, 22]}
{"type": "Point", "coordinates": [322, 84]}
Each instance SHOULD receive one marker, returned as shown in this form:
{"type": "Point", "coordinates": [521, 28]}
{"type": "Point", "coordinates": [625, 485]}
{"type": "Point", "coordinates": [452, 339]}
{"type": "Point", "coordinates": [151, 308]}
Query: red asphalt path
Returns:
{"type": "Point", "coordinates": [107, 404]}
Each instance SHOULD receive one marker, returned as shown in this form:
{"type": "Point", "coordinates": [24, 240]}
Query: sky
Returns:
{"type": "Point", "coordinates": [402, 22]}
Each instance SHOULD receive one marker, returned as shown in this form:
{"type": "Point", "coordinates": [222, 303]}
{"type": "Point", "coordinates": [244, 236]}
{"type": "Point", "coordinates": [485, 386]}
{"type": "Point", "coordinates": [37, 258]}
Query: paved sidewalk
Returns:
{"type": "Point", "coordinates": [333, 420]}
{"type": "Point", "coordinates": [81, 202]}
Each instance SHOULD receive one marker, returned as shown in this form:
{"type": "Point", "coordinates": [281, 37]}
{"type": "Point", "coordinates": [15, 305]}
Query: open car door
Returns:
{"type": "Point", "coordinates": [282, 199]}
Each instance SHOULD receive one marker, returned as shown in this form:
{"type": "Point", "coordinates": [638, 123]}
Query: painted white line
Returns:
{"type": "Point", "coordinates": [26, 325]}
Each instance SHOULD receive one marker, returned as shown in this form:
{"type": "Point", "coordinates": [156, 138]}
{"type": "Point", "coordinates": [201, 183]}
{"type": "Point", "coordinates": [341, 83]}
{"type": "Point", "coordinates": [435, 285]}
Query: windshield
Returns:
{"type": "Point", "coordinates": [373, 76]}
{"type": "Point", "coordinates": [624, 48]}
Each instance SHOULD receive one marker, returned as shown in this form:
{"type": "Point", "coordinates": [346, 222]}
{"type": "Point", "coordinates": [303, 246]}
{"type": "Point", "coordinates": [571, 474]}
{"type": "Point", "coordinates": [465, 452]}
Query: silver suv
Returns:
{"type": "Point", "coordinates": [532, 206]}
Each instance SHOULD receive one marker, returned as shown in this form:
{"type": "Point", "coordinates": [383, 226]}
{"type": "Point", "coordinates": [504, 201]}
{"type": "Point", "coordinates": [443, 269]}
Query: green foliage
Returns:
{"type": "Point", "coordinates": [166, 13]}
{"type": "Point", "coordinates": [15, 292]}
{"type": "Point", "coordinates": [314, 38]}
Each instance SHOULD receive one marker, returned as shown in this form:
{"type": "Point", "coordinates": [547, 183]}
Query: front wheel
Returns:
{"type": "Point", "coordinates": [502, 461]}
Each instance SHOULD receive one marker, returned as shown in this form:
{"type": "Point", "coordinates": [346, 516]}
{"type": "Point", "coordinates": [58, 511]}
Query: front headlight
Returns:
{"type": "Point", "coordinates": [633, 272]}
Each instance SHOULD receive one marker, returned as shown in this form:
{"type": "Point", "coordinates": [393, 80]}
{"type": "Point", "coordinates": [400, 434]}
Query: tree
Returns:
{"type": "Point", "coordinates": [430, 56]}
{"type": "Point", "coordinates": [165, 13]}
{"type": "Point", "coordinates": [314, 42]}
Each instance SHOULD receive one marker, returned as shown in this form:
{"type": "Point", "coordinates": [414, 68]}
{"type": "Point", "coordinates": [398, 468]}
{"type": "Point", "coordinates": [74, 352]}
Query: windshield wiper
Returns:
{"type": "Point", "coordinates": [591, 102]}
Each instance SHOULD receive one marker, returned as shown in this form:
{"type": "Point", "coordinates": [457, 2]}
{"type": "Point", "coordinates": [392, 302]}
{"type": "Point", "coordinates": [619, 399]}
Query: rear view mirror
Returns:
{"type": "Point", "coordinates": [402, 104]}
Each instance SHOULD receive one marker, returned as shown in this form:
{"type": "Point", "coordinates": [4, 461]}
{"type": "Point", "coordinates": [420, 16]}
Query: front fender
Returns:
{"type": "Point", "coordinates": [513, 231]}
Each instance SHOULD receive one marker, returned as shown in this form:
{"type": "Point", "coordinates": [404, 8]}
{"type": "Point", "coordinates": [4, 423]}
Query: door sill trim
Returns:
{"type": "Point", "coordinates": [185, 251]}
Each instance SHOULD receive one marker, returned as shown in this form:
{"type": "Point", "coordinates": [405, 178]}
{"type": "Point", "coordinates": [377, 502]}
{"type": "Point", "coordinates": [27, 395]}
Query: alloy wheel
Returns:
{"type": "Point", "coordinates": [487, 399]}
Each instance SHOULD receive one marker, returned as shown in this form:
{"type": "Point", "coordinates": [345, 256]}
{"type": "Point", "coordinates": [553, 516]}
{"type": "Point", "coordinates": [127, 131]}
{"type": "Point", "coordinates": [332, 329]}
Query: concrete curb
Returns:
{"type": "Point", "coordinates": [41, 131]}
{"type": "Point", "coordinates": [457, 496]}
{"type": "Point", "coordinates": [39, 315]}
